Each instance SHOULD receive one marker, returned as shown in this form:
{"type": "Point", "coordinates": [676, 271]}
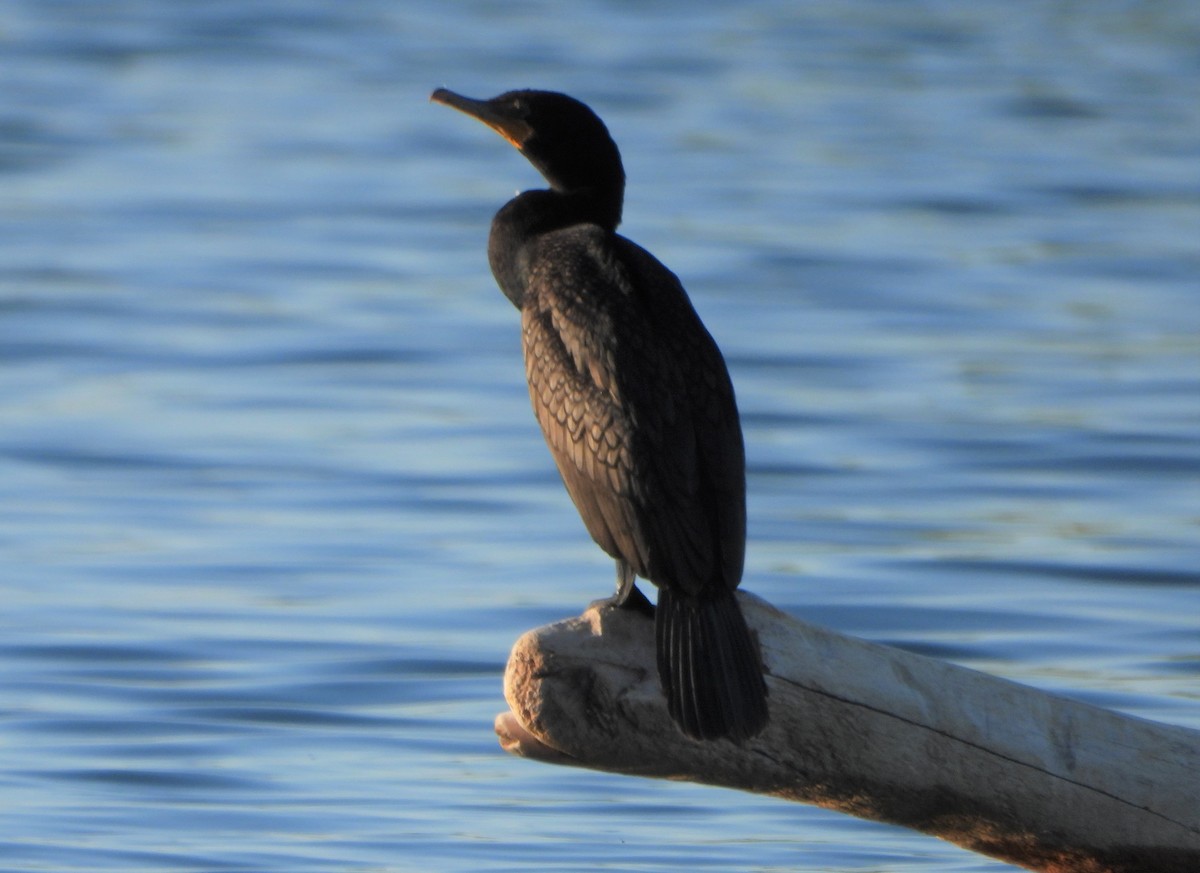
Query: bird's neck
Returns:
{"type": "Point", "coordinates": [532, 214]}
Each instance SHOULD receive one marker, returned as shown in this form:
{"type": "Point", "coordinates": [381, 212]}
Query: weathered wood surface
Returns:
{"type": "Point", "coordinates": [1038, 780]}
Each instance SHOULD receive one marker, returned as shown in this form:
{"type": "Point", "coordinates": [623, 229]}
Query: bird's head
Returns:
{"type": "Point", "coordinates": [564, 139]}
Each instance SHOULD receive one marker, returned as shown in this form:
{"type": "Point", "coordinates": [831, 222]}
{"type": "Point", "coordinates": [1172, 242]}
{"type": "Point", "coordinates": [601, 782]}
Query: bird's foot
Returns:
{"type": "Point", "coordinates": [632, 598]}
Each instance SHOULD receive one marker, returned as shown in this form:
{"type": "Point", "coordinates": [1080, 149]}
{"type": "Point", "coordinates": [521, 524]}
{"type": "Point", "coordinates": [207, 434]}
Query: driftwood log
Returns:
{"type": "Point", "coordinates": [1002, 769]}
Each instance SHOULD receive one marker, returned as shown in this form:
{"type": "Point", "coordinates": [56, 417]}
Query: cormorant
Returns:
{"type": "Point", "coordinates": [635, 402]}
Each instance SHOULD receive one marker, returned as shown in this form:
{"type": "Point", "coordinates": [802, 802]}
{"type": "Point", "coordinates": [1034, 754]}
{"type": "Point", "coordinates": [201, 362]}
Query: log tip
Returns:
{"type": "Point", "coordinates": [517, 740]}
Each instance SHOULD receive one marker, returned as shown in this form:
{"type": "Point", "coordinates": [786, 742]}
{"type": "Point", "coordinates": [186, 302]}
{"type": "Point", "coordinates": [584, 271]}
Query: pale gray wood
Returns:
{"type": "Point", "coordinates": [1006, 770]}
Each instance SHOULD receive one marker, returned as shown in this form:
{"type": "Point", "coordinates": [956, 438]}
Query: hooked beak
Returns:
{"type": "Point", "coordinates": [499, 117]}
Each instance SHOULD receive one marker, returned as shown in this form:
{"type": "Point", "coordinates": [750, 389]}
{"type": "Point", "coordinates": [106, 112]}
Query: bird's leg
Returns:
{"type": "Point", "coordinates": [628, 595]}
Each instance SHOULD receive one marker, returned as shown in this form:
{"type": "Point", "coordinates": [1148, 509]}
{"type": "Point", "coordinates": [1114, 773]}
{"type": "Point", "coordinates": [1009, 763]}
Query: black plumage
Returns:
{"type": "Point", "coordinates": [635, 402]}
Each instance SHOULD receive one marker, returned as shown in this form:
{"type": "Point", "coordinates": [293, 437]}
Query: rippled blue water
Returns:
{"type": "Point", "coordinates": [272, 504]}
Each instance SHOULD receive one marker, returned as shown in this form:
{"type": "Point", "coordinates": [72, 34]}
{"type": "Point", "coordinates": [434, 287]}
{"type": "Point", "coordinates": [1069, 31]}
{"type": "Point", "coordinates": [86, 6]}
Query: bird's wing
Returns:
{"type": "Point", "coordinates": [586, 429]}
{"type": "Point", "coordinates": [617, 401]}
{"type": "Point", "coordinates": [713, 414]}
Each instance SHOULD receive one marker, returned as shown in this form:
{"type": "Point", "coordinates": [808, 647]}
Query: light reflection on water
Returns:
{"type": "Point", "coordinates": [274, 507]}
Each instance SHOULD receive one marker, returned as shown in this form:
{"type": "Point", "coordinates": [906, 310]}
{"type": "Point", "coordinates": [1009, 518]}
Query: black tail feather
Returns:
{"type": "Point", "coordinates": [709, 666]}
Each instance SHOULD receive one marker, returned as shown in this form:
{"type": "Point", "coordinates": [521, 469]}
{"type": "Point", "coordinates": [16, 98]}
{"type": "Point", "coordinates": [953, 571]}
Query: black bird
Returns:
{"type": "Point", "coordinates": [635, 403]}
